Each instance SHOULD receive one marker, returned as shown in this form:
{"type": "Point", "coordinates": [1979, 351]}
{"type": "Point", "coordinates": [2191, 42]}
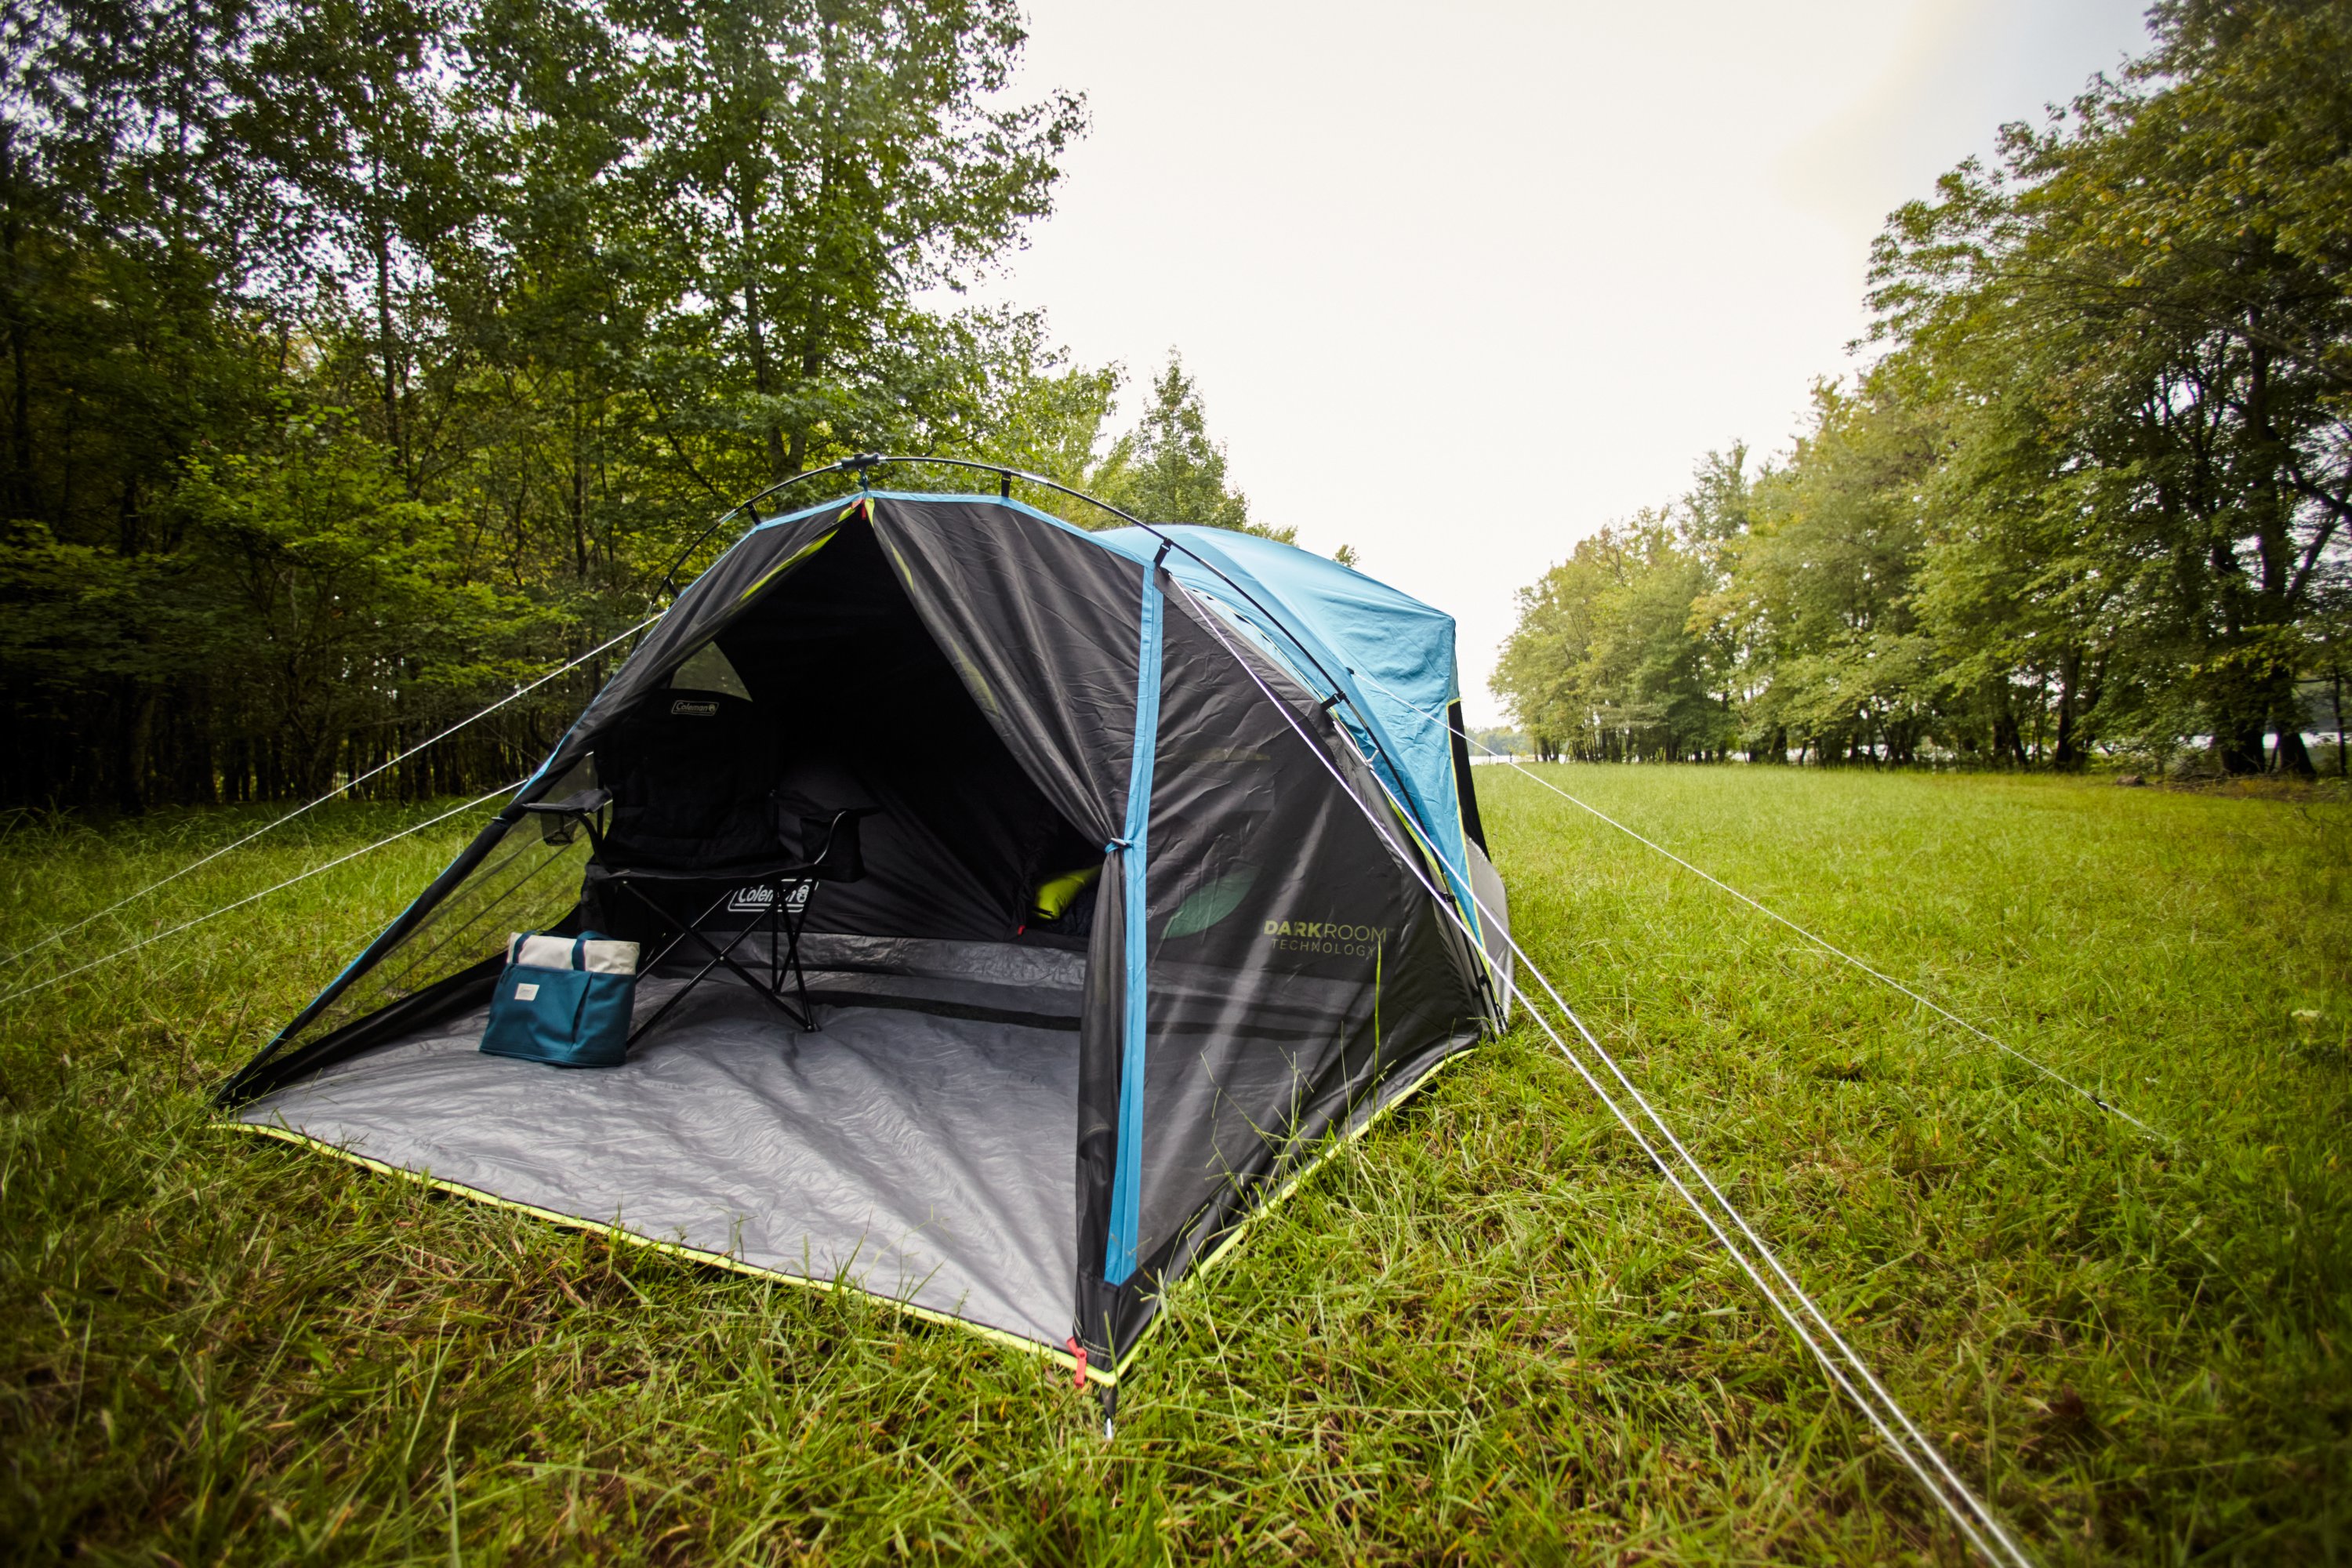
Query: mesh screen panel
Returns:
{"type": "Point", "coordinates": [519, 880]}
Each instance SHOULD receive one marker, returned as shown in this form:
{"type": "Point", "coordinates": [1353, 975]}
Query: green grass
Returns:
{"type": "Point", "coordinates": [1486, 1332]}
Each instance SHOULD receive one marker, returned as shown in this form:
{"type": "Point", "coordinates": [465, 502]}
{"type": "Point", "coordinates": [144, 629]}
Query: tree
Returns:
{"type": "Point", "coordinates": [1819, 593]}
{"type": "Point", "coordinates": [328, 586]}
{"type": "Point", "coordinates": [1168, 470]}
{"type": "Point", "coordinates": [816, 166]}
{"type": "Point", "coordinates": [1606, 662]}
{"type": "Point", "coordinates": [2094, 491]}
{"type": "Point", "coordinates": [134, 247]}
{"type": "Point", "coordinates": [2151, 284]}
{"type": "Point", "coordinates": [360, 358]}
{"type": "Point", "coordinates": [1042, 414]}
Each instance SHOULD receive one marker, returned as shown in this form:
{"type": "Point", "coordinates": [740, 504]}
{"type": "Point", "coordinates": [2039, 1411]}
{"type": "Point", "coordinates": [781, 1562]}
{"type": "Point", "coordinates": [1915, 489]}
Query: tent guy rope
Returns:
{"type": "Point", "coordinates": [1846, 1369]}
{"type": "Point", "coordinates": [1826, 946]}
{"type": "Point", "coordinates": [252, 898]}
{"type": "Point", "coordinates": [343, 788]}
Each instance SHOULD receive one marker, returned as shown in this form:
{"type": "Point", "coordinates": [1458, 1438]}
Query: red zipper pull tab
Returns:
{"type": "Point", "coordinates": [1078, 1350]}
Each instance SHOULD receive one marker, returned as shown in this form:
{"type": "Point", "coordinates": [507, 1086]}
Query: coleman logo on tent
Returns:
{"type": "Point", "coordinates": [755, 900]}
{"type": "Point", "coordinates": [687, 706]}
{"type": "Point", "coordinates": [1326, 936]}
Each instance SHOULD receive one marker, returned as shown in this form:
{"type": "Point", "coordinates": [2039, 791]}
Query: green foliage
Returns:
{"type": "Point", "coordinates": [1485, 1333]}
{"type": "Point", "coordinates": [1604, 664]}
{"type": "Point", "coordinates": [323, 586]}
{"type": "Point", "coordinates": [1822, 582]}
{"type": "Point", "coordinates": [1048, 416]}
{"type": "Point", "coordinates": [1168, 470]}
{"type": "Point", "coordinates": [358, 360]}
{"type": "Point", "coordinates": [2095, 492]}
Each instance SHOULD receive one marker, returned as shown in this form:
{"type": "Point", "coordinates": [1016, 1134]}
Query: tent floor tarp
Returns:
{"type": "Point", "coordinates": [920, 1158]}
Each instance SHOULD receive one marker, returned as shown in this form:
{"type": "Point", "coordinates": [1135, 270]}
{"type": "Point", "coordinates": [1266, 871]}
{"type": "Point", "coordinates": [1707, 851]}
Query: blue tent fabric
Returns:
{"type": "Point", "coordinates": [1390, 657]}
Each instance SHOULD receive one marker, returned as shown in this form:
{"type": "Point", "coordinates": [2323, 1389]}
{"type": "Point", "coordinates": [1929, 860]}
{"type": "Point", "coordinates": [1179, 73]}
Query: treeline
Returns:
{"type": "Point", "coordinates": [361, 361]}
{"type": "Point", "coordinates": [2091, 494]}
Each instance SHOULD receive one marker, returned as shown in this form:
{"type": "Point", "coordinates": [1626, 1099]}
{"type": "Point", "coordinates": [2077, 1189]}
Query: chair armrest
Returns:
{"type": "Point", "coordinates": [839, 857]}
{"type": "Point", "coordinates": [581, 805]}
{"type": "Point", "coordinates": [577, 810]}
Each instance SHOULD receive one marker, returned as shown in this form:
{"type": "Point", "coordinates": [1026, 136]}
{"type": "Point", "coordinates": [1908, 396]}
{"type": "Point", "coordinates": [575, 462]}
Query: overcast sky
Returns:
{"type": "Point", "coordinates": [1531, 259]}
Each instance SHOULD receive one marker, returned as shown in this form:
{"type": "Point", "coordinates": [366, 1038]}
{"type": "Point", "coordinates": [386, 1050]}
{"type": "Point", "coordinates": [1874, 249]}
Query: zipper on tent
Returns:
{"type": "Point", "coordinates": [1126, 1175]}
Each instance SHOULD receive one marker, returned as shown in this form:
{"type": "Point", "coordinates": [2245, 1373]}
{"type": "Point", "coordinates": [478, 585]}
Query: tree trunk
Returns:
{"type": "Point", "coordinates": [2294, 756]}
{"type": "Point", "coordinates": [755, 326]}
{"type": "Point", "coordinates": [20, 428]}
{"type": "Point", "coordinates": [2239, 744]}
{"type": "Point", "coordinates": [2066, 754]}
{"type": "Point", "coordinates": [578, 500]}
{"type": "Point", "coordinates": [2336, 673]}
{"type": "Point", "coordinates": [2286, 723]}
{"type": "Point", "coordinates": [198, 785]}
{"type": "Point", "coordinates": [18, 496]}
{"type": "Point", "coordinates": [813, 324]}
{"type": "Point", "coordinates": [386, 345]}
{"type": "Point", "coordinates": [2272, 700]}
{"type": "Point", "coordinates": [134, 714]}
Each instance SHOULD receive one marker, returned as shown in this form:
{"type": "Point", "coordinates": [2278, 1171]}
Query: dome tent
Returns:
{"type": "Point", "coordinates": [1151, 910]}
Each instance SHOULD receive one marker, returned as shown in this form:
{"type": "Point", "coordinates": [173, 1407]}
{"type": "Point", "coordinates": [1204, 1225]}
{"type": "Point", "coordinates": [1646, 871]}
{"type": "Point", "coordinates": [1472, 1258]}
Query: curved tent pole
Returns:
{"type": "Point", "coordinates": [864, 463]}
{"type": "Point", "coordinates": [751, 509]}
{"type": "Point", "coordinates": [863, 466]}
{"type": "Point", "coordinates": [1006, 478]}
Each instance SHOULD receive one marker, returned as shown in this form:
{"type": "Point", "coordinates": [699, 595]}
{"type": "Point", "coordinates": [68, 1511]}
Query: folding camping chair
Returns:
{"type": "Point", "coordinates": [831, 852]}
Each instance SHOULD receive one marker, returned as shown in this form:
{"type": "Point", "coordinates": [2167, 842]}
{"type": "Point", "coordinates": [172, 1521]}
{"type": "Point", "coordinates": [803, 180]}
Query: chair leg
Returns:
{"type": "Point", "coordinates": [647, 966]}
{"type": "Point", "coordinates": [679, 994]}
{"type": "Point", "coordinates": [783, 940]}
{"type": "Point", "coordinates": [794, 925]}
{"type": "Point", "coordinates": [718, 956]}
{"type": "Point", "coordinates": [662, 1012]}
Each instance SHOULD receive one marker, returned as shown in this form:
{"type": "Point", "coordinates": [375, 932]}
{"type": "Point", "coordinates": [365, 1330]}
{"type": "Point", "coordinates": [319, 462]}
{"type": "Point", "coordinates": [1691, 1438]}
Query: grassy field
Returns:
{"type": "Point", "coordinates": [1485, 1333]}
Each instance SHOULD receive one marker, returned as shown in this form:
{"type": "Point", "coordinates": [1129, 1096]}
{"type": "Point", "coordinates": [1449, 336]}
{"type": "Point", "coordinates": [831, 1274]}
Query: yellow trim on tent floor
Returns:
{"type": "Point", "coordinates": [611, 1232]}
{"type": "Point", "coordinates": [1101, 1377]}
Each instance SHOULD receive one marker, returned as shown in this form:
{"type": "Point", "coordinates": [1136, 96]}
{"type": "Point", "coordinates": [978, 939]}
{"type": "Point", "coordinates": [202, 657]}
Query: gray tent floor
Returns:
{"type": "Point", "coordinates": [928, 1160]}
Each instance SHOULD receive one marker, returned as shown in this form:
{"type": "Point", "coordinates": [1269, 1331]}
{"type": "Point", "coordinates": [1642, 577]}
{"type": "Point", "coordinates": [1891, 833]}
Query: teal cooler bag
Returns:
{"type": "Point", "coordinates": [564, 1001]}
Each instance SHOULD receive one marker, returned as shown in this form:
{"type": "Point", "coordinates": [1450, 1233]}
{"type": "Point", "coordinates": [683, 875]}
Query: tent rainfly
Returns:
{"type": "Point", "coordinates": [1167, 885]}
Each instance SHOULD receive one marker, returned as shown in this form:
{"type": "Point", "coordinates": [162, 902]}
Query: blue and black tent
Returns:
{"type": "Point", "coordinates": [1168, 880]}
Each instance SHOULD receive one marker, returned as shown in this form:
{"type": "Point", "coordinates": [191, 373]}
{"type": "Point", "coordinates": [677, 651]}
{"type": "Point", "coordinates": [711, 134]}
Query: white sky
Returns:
{"type": "Point", "coordinates": [1462, 284]}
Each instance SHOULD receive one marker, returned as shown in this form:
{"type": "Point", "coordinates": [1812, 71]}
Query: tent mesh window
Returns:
{"type": "Point", "coordinates": [514, 876]}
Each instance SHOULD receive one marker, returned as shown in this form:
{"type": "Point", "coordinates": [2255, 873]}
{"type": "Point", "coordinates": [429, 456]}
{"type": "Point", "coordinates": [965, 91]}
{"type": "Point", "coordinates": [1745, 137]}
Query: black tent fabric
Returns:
{"type": "Point", "coordinates": [1031, 1120]}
